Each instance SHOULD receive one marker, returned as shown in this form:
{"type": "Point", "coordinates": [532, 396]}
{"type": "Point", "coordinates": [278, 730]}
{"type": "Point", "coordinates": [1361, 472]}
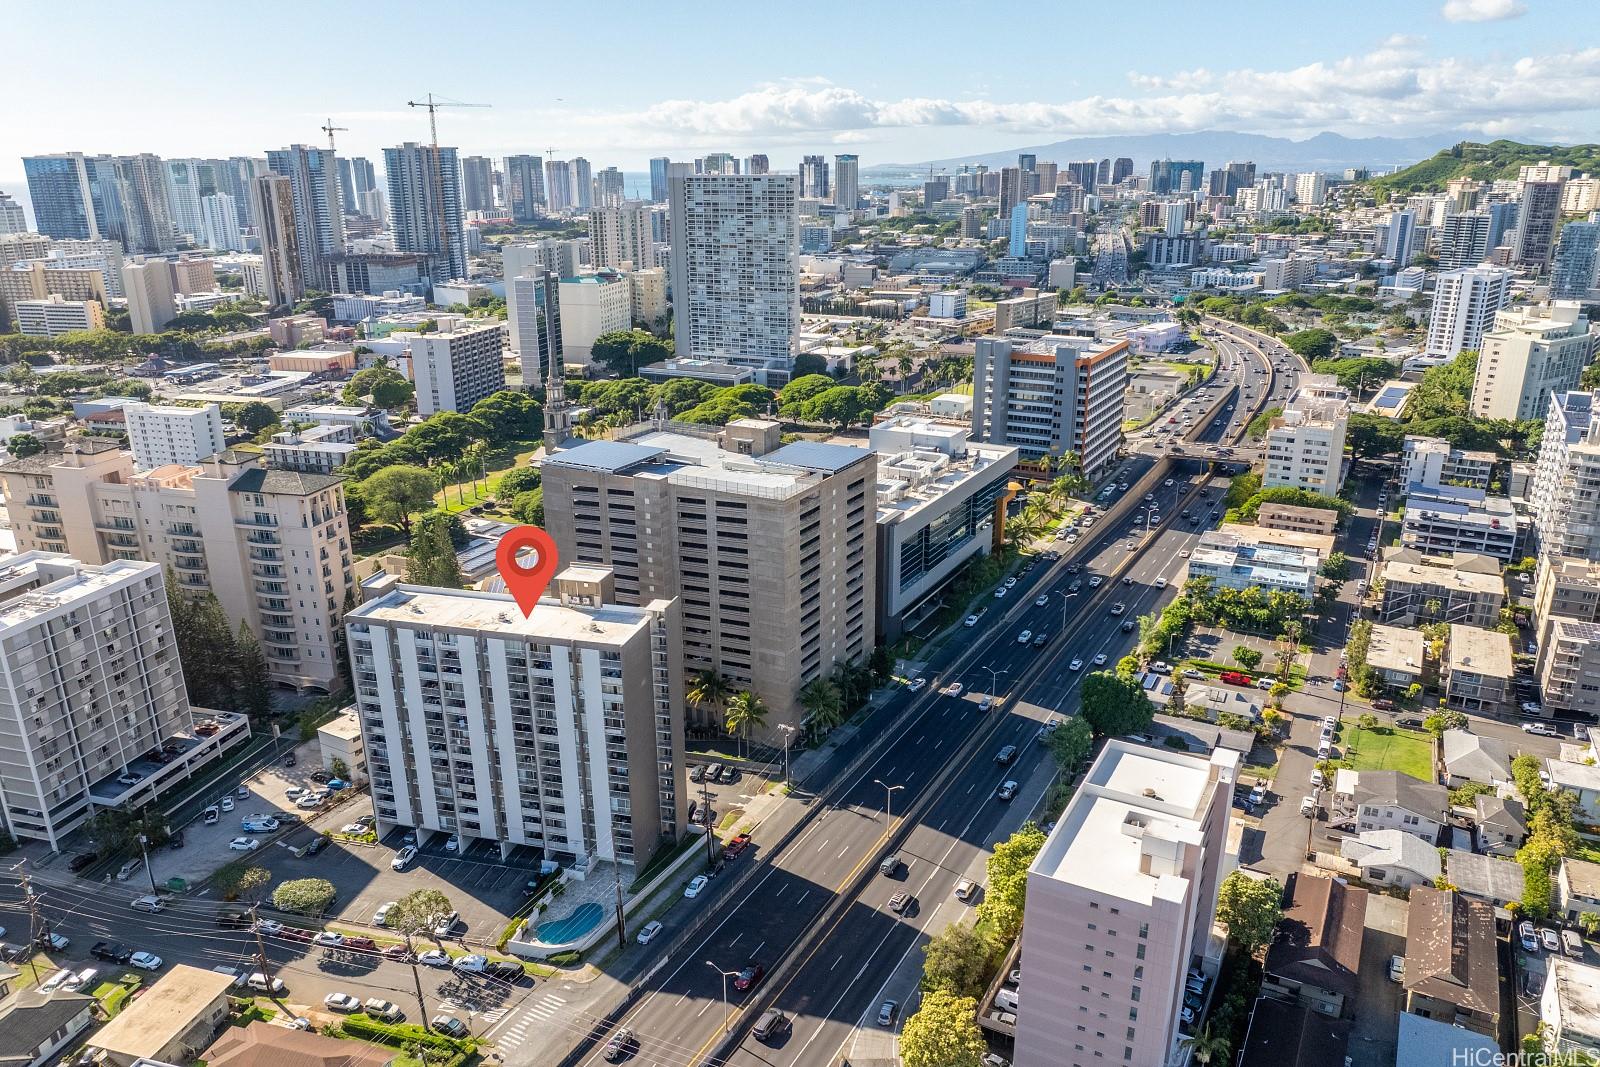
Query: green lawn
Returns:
{"type": "Point", "coordinates": [1407, 751]}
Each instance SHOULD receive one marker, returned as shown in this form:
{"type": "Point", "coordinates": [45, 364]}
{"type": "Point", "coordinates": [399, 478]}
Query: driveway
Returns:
{"type": "Point", "coordinates": [1378, 1000]}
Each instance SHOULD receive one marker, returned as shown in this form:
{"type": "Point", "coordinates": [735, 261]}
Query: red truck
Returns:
{"type": "Point", "coordinates": [1236, 678]}
{"type": "Point", "coordinates": [735, 846]}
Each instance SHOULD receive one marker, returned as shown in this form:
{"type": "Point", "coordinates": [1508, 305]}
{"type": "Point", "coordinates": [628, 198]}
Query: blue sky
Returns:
{"type": "Point", "coordinates": [621, 82]}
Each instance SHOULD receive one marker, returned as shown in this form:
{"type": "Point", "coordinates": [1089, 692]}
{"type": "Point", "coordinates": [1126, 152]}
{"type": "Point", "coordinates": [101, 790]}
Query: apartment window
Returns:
{"type": "Point", "coordinates": [1135, 996]}
{"type": "Point", "coordinates": [1092, 926]}
{"type": "Point", "coordinates": [1144, 930]}
{"type": "Point", "coordinates": [1094, 905]}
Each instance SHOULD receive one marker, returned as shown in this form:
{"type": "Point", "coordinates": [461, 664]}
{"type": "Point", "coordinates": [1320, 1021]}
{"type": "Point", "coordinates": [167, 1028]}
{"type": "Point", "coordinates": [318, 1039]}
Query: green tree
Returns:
{"type": "Point", "coordinates": [432, 556]}
{"type": "Point", "coordinates": [239, 881]}
{"type": "Point", "coordinates": [943, 1033]}
{"type": "Point", "coordinates": [1367, 721]}
{"type": "Point", "coordinates": [418, 913]}
{"type": "Point", "coordinates": [1246, 657]}
{"type": "Point", "coordinates": [394, 494]}
{"type": "Point", "coordinates": [746, 712]}
{"type": "Point", "coordinates": [1070, 743]}
{"type": "Point", "coordinates": [1440, 721]}
{"type": "Point", "coordinates": [1113, 706]}
{"type": "Point", "coordinates": [1209, 1045]}
{"type": "Point", "coordinates": [308, 896]}
{"type": "Point", "coordinates": [623, 352]}
{"type": "Point", "coordinates": [708, 687]}
{"type": "Point", "coordinates": [252, 416]}
{"type": "Point", "coordinates": [1336, 567]}
{"type": "Point", "coordinates": [23, 445]}
{"type": "Point", "coordinates": [529, 507]}
{"type": "Point", "coordinates": [1250, 908]}
{"type": "Point", "coordinates": [1004, 896]}
{"type": "Point", "coordinates": [956, 960]}
{"type": "Point", "coordinates": [252, 681]}
{"type": "Point", "coordinates": [386, 386]}
{"type": "Point", "coordinates": [823, 703]}
{"type": "Point", "coordinates": [517, 480]}
{"type": "Point", "coordinates": [1312, 344]}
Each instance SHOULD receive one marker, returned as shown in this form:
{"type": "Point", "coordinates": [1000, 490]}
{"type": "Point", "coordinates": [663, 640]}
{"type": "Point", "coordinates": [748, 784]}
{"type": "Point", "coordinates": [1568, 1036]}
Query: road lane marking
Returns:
{"type": "Point", "coordinates": [842, 851]}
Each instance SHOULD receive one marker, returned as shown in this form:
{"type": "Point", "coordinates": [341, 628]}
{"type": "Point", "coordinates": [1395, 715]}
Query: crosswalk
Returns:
{"type": "Point", "coordinates": [544, 1009]}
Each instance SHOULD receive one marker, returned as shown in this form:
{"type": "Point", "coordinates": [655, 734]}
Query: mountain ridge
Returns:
{"type": "Point", "coordinates": [1325, 151]}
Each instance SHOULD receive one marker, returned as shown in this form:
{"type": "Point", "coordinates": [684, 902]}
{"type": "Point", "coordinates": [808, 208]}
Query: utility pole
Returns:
{"type": "Point", "coordinates": [622, 918]}
{"type": "Point", "coordinates": [34, 932]}
{"type": "Point", "coordinates": [416, 980]}
{"type": "Point", "coordinates": [711, 835]}
{"type": "Point", "coordinates": [261, 947]}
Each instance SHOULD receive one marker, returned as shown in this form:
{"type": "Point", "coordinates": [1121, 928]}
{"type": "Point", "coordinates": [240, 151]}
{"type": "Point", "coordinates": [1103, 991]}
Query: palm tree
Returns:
{"type": "Point", "coordinates": [475, 454]}
{"type": "Point", "coordinates": [823, 704]}
{"type": "Point", "coordinates": [905, 363]}
{"type": "Point", "coordinates": [1207, 1046]}
{"type": "Point", "coordinates": [708, 687]}
{"type": "Point", "coordinates": [746, 711]}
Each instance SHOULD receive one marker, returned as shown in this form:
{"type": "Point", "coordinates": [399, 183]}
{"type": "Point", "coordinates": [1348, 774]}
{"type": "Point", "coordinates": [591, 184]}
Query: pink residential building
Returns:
{"type": "Point", "coordinates": [1120, 906]}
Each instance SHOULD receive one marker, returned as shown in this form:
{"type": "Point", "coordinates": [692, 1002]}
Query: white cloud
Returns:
{"type": "Point", "coordinates": [1482, 10]}
{"type": "Point", "coordinates": [1395, 88]}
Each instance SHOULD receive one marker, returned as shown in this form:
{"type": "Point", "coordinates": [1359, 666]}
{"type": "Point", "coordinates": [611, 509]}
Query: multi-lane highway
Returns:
{"type": "Point", "coordinates": [815, 918]}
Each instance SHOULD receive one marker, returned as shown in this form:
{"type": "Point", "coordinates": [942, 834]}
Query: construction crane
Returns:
{"type": "Point", "coordinates": [330, 129]}
{"type": "Point", "coordinates": [433, 104]}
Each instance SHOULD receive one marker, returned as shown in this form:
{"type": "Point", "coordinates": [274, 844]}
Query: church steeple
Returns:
{"type": "Point", "coordinates": [557, 410]}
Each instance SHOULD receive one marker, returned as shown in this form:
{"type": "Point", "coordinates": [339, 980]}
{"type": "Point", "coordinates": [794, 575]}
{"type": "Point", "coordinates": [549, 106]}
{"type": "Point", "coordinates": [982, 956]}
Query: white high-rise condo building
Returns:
{"type": "Point", "coordinates": [1566, 509]}
{"type": "Point", "coordinates": [1051, 396]}
{"type": "Point", "coordinates": [274, 546]}
{"type": "Point", "coordinates": [220, 220]}
{"type": "Point", "coordinates": [163, 435]}
{"type": "Point", "coordinates": [1399, 236]}
{"type": "Point", "coordinates": [619, 236]}
{"type": "Point", "coordinates": [1576, 265]}
{"type": "Point", "coordinates": [582, 184]}
{"type": "Point", "coordinates": [1305, 444]}
{"type": "Point", "coordinates": [425, 207]}
{"type": "Point", "coordinates": [1464, 240]}
{"type": "Point", "coordinates": [560, 731]}
{"type": "Point", "coordinates": [1464, 305]}
{"type": "Point", "coordinates": [150, 290]}
{"type": "Point", "coordinates": [1120, 907]}
{"type": "Point", "coordinates": [318, 207]}
{"type": "Point", "coordinates": [558, 185]}
{"type": "Point", "coordinates": [1311, 189]}
{"type": "Point", "coordinates": [477, 183]}
{"type": "Point", "coordinates": [1531, 354]}
{"type": "Point", "coordinates": [187, 181]}
{"type": "Point", "coordinates": [846, 181]}
{"type": "Point", "coordinates": [735, 269]}
{"type": "Point", "coordinates": [12, 217]}
{"type": "Point", "coordinates": [456, 365]}
{"type": "Point", "coordinates": [533, 314]}
{"type": "Point", "coordinates": [55, 315]}
{"type": "Point", "coordinates": [89, 683]}
{"type": "Point", "coordinates": [591, 305]}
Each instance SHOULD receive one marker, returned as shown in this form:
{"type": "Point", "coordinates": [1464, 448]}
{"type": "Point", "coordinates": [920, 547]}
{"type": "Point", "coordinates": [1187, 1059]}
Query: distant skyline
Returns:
{"type": "Point", "coordinates": [891, 84]}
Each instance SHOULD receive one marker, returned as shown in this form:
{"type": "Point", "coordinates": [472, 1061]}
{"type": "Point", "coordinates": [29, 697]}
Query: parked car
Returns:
{"type": "Point", "coordinates": [128, 868]}
{"type": "Point", "coordinates": [696, 884]}
{"type": "Point", "coordinates": [1549, 939]}
{"type": "Point", "coordinates": [450, 1026]}
{"type": "Point", "coordinates": [383, 1010]}
{"type": "Point", "coordinates": [1527, 936]}
{"type": "Point", "coordinates": [649, 931]}
{"type": "Point", "coordinates": [473, 964]}
{"type": "Point", "coordinates": [888, 1011]}
{"type": "Point", "coordinates": [244, 844]}
{"type": "Point", "coordinates": [343, 1003]}
{"type": "Point", "coordinates": [1397, 968]}
{"type": "Point", "coordinates": [434, 958]}
{"type": "Point", "coordinates": [403, 857]}
{"type": "Point", "coordinates": [111, 952]}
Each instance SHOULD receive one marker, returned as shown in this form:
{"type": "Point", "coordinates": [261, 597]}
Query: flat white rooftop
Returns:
{"type": "Point", "coordinates": [61, 588]}
{"type": "Point", "coordinates": [1164, 791]}
{"type": "Point", "coordinates": [497, 614]}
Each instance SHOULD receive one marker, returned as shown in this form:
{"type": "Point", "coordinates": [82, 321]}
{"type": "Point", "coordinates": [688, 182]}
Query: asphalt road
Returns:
{"type": "Point", "coordinates": [941, 766]}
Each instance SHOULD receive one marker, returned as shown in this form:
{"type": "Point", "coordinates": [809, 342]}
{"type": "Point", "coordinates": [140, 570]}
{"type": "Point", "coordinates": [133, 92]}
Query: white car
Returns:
{"type": "Point", "coordinates": [352, 828]}
{"type": "Point", "coordinates": [1094, 581]}
{"type": "Point", "coordinates": [453, 844]}
{"type": "Point", "coordinates": [1024, 637]}
{"type": "Point", "coordinates": [269, 926]}
{"type": "Point", "coordinates": [916, 685]}
{"type": "Point", "coordinates": [1075, 665]}
{"type": "Point", "coordinates": [403, 857]}
{"type": "Point", "coordinates": [696, 884]}
{"type": "Point", "coordinates": [1540, 729]}
{"type": "Point", "coordinates": [226, 803]}
{"type": "Point", "coordinates": [342, 1002]}
{"type": "Point", "coordinates": [328, 938]}
{"type": "Point", "coordinates": [972, 620]}
{"type": "Point", "coordinates": [473, 964]}
{"type": "Point", "coordinates": [145, 961]}
{"type": "Point", "coordinates": [1010, 582]}
{"type": "Point", "coordinates": [381, 916]}
{"type": "Point", "coordinates": [310, 800]}
{"type": "Point", "coordinates": [954, 689]}
{"type": "Point", "coordinates": [648, 933]}
{"type": "Point", "coordinates": [1041, 600]}
{"type": "Point", "coordinates": [1190, 672]}
{"type": "Point", "coordinates": [1100, 659]}
{"type": "Point", "coordinates": [244, 844]}
{"type": "Point", "coordinates": [1161, 583]}
{"type": "Point", "coordinates": [434, 958]}
{"type": "Point", "coordinates": [1000, 594]}
{"type": "Point", "coordinates": [262, 984]}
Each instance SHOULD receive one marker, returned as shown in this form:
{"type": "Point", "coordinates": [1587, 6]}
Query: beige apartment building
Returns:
{"type": "Point", "coordinates": [1461, 588]}
{"type": "Point", "coordinates": [1120, 907]}
{"type": "Point", "coordinates": [769, 549]}
{"type": "Point", "coordinates": [274, 546]}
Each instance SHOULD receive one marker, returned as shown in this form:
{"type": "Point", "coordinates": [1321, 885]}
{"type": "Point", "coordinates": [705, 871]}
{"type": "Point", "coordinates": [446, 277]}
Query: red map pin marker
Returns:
{"type": "Point", "coordinates": [527, 584]}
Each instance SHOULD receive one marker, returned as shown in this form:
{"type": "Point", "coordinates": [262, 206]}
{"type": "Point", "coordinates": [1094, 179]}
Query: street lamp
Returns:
{"type": "Point", "coordinates": [143, 840]}
{"type": "Point", "coordinates": [888, 800]}
{"type": "Point", "coordinates": [788, 733]}
{"type": "Point", "coordinates": [727, 1014]}
{"type": "Point", "coordinates": [994, 680]}
{"type": "Point", "coordinates": [1064, 598]}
